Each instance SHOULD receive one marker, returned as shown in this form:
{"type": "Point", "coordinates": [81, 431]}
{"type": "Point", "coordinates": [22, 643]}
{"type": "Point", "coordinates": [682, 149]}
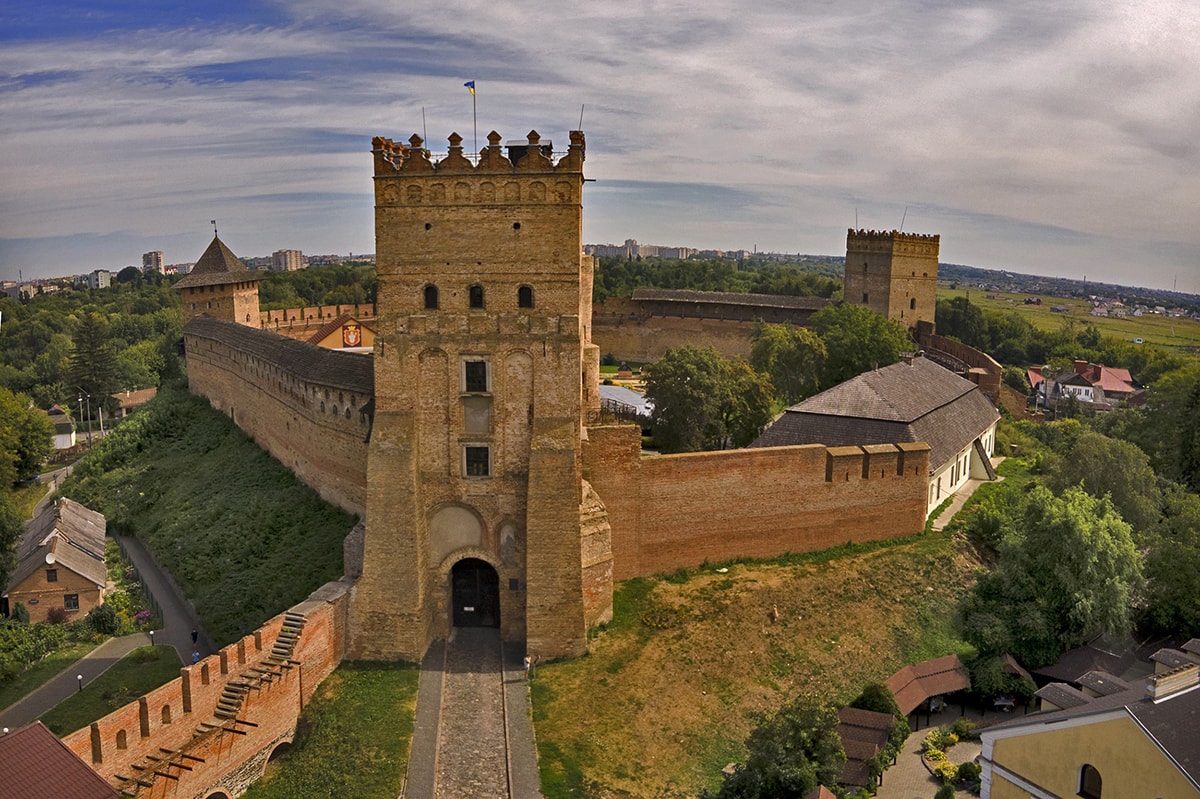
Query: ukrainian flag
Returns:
{"type": "Point", "coordinates": [470, 87]}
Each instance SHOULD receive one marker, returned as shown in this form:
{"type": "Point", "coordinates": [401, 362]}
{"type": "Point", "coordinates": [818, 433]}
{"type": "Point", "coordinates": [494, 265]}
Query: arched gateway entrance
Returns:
{"type": "Point", "coordinates": [475, 594]}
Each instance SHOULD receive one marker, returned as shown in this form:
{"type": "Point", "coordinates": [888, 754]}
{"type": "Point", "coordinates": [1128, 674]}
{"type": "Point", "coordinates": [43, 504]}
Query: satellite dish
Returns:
{"type": "Point", "coordinates": [50, 558]}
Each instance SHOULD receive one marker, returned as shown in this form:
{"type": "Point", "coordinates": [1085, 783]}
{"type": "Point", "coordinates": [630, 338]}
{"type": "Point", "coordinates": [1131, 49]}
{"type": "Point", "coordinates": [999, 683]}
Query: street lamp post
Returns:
{"type": "Point", "coordinates": [80, 678]}
{"type": "Point", "coordinates": [152, 638]}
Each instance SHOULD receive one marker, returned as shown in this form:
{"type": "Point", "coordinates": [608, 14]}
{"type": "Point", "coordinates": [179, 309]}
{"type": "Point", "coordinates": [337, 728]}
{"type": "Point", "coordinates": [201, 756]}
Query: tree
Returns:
{"type": "Point", "coordinates": [857, 340]}
{"type": "Point", "coordinates": [1067, 572]}
{"type": "Point", "coordinates": [26, 438]}
{"type": "Point", "coordinates": [92, 360]}
{"type": "Point", "coordinates": [1118, 469]}
{"type": "Point", "coordinates": [789, 754]}
{"type": "Point", "coordinates": [11, 527]}
{"type": "Point", "coordinates": [791, 356]}
{"type": "Point", "coordinates": [1173, 567]}
{"type": "Point", "coordinates": [703, 401]}
{"type": "Point", "coordinates": [130, 274]}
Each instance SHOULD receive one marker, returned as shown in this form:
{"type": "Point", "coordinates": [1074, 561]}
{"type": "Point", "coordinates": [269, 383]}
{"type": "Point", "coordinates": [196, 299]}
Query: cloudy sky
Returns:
{"type": "Point", "coordinates": [1057, 138]}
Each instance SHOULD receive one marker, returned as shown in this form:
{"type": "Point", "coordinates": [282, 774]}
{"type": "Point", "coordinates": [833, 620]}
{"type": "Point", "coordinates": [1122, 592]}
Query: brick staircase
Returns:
{"type": "Point", "coordinates": [271, 667]}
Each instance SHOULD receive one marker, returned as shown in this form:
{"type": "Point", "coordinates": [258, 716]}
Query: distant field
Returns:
{"type": "Point", "coordinates": [1180, 335]}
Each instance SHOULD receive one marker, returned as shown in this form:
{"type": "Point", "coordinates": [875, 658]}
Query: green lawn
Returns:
{"type": "Point", "coordinates": [37, 674]}
{"type": "Point", "coordinates": [136, 674]}
{"type": "Point", "coordinates": [1180, 335]}
{"type": "Point", "coordinates": [353, 738]}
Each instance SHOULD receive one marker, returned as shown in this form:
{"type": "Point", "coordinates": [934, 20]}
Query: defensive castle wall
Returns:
{"type": "Point", "coordinates": [981, 369]}
{"type": "Point", "coordinates": [672, 511]}
{"type": "Point", "coordinates": [186, 739]}
{"type": "Point", "coordinates": [643, 327]}
{"type": "Point", "coordinates": [300, 323]}
{"type": "Point", "coordinates": [311, 408]}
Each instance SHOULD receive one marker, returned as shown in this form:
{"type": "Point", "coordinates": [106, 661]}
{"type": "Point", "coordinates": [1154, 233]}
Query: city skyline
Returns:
{"type": "Point", "coordinates": [1053, 140]}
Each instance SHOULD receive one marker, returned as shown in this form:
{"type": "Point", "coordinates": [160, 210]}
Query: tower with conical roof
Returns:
{"type": "Point", "coordinates": [220, 286]}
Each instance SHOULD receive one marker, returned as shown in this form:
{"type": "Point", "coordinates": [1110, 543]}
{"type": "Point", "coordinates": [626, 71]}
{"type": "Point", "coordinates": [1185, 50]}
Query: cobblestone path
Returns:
{"type": "Point", "coordinates": [472, 758]}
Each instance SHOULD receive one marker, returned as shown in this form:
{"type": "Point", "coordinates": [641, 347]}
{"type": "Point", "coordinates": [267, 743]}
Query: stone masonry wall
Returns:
{"type": "Point", "coordinates": [302, 424]}
{"type": "Point", "coordinates": [671, 511]}
{"type": "Point", "coordinates": [171, 743]}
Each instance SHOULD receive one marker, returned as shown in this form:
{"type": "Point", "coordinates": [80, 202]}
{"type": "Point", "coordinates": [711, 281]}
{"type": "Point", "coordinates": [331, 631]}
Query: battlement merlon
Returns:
{"type": "Point", "coordinates": [528, 156]}
{"type": "Point", "coordinates": [890, 236]}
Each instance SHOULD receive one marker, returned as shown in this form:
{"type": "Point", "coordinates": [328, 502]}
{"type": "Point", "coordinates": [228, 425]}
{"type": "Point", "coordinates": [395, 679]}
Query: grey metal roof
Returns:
{"type": "Point", "coordinates": [907, 401]}
{"type": "Point", "coordinates": [731, 298]}
{"type": "Point", "coordinates": [218, 266]}
{"type": "Point", "coordinates": [352, 371]}
{"type": "Point", "coordinates": [72, 534]}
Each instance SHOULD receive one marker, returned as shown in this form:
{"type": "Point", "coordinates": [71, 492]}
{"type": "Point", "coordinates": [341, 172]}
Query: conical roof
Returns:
{"type": "Point", "coordinates": [217, 267]}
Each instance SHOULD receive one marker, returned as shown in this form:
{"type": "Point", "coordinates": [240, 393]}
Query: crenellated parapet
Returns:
{"type": "Point", "coordinates": [892, 241]}
{"type": "Point", "coordinates": [496, 161]}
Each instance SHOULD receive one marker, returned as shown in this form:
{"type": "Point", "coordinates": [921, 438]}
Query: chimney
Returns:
{"type": "Point", "coordinates": [1169, 683]}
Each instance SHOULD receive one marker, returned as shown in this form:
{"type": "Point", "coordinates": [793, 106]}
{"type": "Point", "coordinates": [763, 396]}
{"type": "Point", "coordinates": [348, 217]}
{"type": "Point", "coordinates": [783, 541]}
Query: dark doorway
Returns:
{"type": "Point", "coordinates": [475, 592]}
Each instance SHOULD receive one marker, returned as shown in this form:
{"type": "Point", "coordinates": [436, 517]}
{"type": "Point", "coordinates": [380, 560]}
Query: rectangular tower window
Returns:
{"type": "Point", "coordinates": [475, 377]}
{"type": "Point", "coordinates": [476, 462]}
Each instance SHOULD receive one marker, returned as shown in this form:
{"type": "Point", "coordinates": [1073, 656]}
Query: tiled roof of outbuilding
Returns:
{"type": "Point", "coordinates": [917, 401]}
{"type": "Point", "coordinates": [217, 267]}
{"type": "Point", "coordinates": [347, 370]}
{"type": "Point", "coordinates": [37, 765]}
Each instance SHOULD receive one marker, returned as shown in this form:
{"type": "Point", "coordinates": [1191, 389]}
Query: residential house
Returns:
{"type": "Point", "coordinates": [130, 401]}
{"type": "Point", "coordinates": [346, 332]}
{"type": "Point", "coordinates": [60, 562]}
{"type": "Point", "coordinates": [914, 400]}
{"type": "Point", "coordinates": [1108, 740]}
{"type": "Point", "coordinates": [1095, 386]}
{"type": "Point", "coordinates": [64, 427]}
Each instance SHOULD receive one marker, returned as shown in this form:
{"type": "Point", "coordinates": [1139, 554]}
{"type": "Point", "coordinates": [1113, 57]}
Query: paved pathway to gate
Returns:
{"type": "Point", "coordinates": [473, 733]}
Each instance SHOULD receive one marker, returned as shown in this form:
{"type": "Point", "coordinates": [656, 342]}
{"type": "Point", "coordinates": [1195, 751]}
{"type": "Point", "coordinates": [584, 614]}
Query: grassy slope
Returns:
{"type": "Point", "coordinates": [241, 535]}
{"type": "Point", "coordinates": [1180, 335]}
{"type": "Point", "coordinates": [659, 711]}
{"type": "Point", "coordinates": [353, 738]}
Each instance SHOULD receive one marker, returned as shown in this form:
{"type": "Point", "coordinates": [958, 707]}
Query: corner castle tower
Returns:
{"type": "Point", "coordinates": [220, 286]}
{"type": "Point", "coordinates": [484, 374]}
{"type": "Point", "coordinates": [893, 274]}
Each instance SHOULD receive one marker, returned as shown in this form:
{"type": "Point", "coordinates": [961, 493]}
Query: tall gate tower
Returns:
{"type": "Point", "coordinates": [484, 375]}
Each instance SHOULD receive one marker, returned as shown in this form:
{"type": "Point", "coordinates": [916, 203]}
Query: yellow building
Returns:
{"type": "Point", "coordinates": [60, 564]}
{"type": "Point", "coordinates": [1121, 741]}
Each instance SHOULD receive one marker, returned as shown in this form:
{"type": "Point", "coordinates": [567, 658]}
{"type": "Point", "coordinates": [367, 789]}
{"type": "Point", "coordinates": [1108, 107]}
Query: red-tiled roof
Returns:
{"type": "Point", "coordinates": [36, 765]}
{"type": "Point", "coordinates": [135, 399]}
{"type": "Point", "coordinates": [913, 684]}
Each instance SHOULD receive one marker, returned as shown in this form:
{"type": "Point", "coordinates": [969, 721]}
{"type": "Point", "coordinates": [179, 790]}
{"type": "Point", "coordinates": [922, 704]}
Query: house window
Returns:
{"type": "Point", "coordinates": [1089, 782]}
{"type": "Point", "coordinates": [431, 298]}
{"type": "Point", "coordinates": [525, 297]}
{"type": "Point", "coordinates": [475, 296]}
{"type": "Point", "coordinates": [52, 575]}
{"type": "Point", "coordinates": [71, 601]}
{"type": "Point", "coordinates": [475, 377]}
{"type": "Point", "coordinates": [476, 461]}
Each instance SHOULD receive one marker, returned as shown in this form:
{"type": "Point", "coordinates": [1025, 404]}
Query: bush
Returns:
{"type": "Point", "coordinates": [945, 792]}
{"type": "Point", "coordinates": [57, 616]}
{"type": "Point", "coordinates": [941, 738]}
{"type": "Point", "coordinates": [969, 772]}
{"type": "Point", "coordinates": [103, 619]}
{"type": "Point", "coordinates": [963, 729]}
{"type": "Point", "coordinates": [946, 771]}
{"type": "Point", "coordinates": [20, 613]}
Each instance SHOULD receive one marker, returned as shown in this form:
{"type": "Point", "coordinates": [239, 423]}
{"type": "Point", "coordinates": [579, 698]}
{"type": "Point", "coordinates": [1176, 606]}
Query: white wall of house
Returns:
{"type": "Point", "coordinates": [952, 475]}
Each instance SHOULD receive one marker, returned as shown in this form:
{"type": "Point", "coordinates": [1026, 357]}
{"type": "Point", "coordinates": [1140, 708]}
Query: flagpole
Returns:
{"type": "Point", "coordinates": [474, 121]}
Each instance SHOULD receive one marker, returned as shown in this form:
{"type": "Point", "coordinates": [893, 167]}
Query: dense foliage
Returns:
{"type": "Point", "coordinates": [703, 400]}
{"type": "Point", "coordinates": [857, 340]}
{"type": "Point", "coordinates": [618, 277]}
{"type": "Point", "coordinates": [792, 357]}
{"type": "Point", "coordinates": [789, 754]}
{"type": "Point", "coordinates": [239, 533]}
{"type": "Point", "coordinates": [57, 347]}
{"type": "Point", "coordinates": [340, 284]}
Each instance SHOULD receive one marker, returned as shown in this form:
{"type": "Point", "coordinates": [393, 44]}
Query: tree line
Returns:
{"type": "Point", "coordinates": [618, 277]}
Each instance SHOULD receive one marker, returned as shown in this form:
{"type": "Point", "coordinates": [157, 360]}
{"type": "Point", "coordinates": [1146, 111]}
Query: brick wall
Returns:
{"type": "Point", "coordinates": [41, 596]}
{"type": "Point", "coordinates": [302, 424]}
{"type": "Point", "coordinates": [669, 511]}
{"type": "Point", "coordinates": [985, 371]}
{"type": "Point", "coordinates": [644, 340]}
{"type": "Point", "coordinates": [170, 743]}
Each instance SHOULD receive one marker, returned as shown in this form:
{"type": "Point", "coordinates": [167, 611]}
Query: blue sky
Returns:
{"type": "Point", "coordinates": [1045, 137]}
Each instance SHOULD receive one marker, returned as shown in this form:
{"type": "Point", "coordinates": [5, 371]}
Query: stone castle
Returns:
{"type": "Point", "coordinates": [471, 442]}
